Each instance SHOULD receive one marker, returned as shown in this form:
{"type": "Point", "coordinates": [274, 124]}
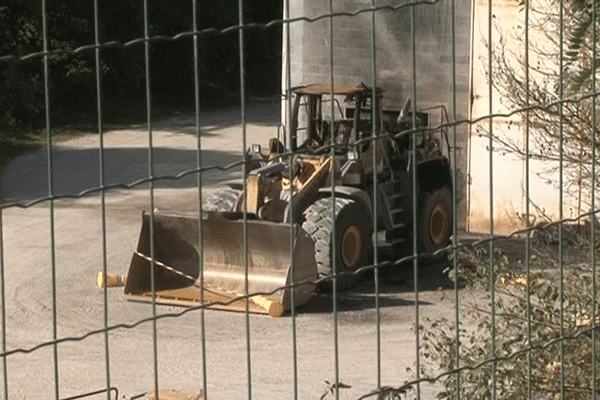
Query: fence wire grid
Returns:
{"type": "Point", "coordinates": [460, 369]}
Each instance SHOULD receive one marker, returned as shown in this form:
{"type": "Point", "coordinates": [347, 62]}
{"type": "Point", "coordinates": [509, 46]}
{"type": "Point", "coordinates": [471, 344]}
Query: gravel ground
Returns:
{"type": "Point", "coordinates": [186, 349]}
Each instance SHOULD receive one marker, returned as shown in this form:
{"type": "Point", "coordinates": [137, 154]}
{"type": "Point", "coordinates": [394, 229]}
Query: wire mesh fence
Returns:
{"type": "Point", "coordinates": [375, 188]}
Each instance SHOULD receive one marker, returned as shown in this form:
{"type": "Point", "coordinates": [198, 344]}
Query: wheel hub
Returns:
{"type": "Point", "coordinates": [351, 247]}
{"type": "Point", "coordinates": [438, 225]}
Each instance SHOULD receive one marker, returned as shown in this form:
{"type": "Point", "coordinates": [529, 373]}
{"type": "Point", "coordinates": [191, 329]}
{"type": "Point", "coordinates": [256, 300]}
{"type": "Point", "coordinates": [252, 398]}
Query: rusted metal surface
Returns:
{"type": "Point", "coordinates": [177, 264]}
{"type": "Point", "coordinates": [321, 88]}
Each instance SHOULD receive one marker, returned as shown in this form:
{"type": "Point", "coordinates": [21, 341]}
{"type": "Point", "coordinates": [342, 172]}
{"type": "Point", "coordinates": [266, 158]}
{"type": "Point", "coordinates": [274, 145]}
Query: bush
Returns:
{"type": "Point", "coordinates": [512, 347]}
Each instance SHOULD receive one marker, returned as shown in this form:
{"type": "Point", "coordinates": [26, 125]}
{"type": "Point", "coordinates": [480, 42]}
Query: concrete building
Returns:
{"type": "Point", "coordinates": [311, 50]}
{"type": "Point", "coordinates": [456, 80]}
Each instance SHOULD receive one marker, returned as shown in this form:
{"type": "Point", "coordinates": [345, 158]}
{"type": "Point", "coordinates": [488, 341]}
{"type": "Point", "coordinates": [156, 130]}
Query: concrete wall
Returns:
{"type": "Point", "coordinates": [312, 53]}
{"type": "Point", "coordinates": [505, 171]}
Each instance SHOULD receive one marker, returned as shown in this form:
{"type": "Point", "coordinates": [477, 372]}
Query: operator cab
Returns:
{"type": "Point", "coordinates": [322, 112]}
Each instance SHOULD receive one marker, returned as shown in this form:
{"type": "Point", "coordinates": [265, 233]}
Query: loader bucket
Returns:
{"type": "Point", "coordinates": [177, 266]}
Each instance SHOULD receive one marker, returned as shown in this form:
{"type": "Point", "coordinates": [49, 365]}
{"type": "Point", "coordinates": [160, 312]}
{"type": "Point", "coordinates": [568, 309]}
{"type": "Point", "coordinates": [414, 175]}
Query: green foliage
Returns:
{"type": "Point", "coordinates": [580, 43]}
{"type": "Point", "coordinates": [533, 318]}
{"type": "Point", "coordinates": [20, 84]}
{"type": "Point", "coordinates": [72, 76]}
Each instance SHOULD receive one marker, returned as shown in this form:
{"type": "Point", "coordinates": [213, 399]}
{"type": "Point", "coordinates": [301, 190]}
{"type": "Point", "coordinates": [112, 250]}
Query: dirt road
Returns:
{"type": "Point", "coordinates": [81, 364]}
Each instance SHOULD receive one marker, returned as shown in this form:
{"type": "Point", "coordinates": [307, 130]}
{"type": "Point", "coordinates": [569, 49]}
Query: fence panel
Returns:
{"type": "Point", "coordinates": [496, 148]}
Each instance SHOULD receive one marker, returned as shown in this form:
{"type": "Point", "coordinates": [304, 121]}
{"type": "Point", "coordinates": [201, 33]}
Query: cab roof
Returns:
{"type": "Point", "coordinates": [324, 89]}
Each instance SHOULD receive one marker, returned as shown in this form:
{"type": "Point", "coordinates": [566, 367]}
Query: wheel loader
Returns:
{"type": "Point", "coordinates": [307, 201]}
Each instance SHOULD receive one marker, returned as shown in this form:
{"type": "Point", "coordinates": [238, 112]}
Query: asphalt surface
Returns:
{"type": "Point", "coordinates": [217, 345]}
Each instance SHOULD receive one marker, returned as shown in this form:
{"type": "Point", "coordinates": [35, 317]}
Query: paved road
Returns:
{"type": "Point", "coordinates": [78, 244]}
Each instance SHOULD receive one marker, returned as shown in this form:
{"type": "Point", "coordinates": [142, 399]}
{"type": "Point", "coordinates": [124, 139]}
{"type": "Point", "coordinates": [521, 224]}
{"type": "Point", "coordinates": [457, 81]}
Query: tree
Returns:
{"type": "Point", "coordinates": [20, 83]}
{"type": "Point", "coordinates": [72, 75]}
{"type": "Point", "coordinates": [556, 87]}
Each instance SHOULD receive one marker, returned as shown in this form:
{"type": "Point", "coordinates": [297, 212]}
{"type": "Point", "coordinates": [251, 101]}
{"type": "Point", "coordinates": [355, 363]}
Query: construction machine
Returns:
{"type": "Point", "coordinates": [304, 208]}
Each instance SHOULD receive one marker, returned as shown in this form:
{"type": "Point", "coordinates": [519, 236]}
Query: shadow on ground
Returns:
{"type": "Point", "coordinates": [77, 170]}
{"type": "Point", "coordinates": [362, 296]}
{"type": "Point", "coordinates": [350, 301]}
{"type": "Point", "coordinates": [25, 176]}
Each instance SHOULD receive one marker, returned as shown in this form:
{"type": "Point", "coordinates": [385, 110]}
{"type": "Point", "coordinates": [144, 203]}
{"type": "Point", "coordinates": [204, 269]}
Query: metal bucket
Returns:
{"type": "Point", "coordinates": [261, 274]}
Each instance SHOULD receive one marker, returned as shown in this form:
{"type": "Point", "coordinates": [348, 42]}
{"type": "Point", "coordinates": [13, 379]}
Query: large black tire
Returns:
{"type": "Point", "coordinates": [436, 221]}
{"type": "Point", "coordinates": [353, 238]}
{"type": "Point", "coordinates": [223, 200]}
